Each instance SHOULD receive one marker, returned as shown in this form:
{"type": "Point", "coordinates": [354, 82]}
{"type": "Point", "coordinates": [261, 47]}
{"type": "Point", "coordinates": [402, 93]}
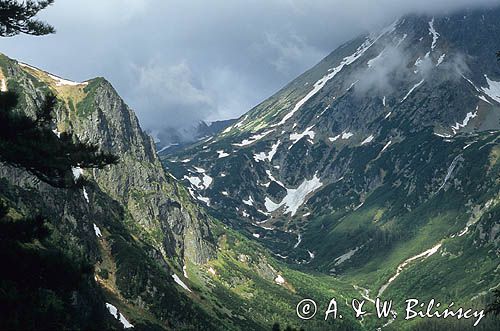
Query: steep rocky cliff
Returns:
{"type": "Point", "coordinates": [95, 113]}
{"type": "Point", "coordinates": [131, 220]}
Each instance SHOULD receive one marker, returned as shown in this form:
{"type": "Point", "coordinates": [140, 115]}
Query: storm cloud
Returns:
{"type": "Point", "coordinates": [178, 62]}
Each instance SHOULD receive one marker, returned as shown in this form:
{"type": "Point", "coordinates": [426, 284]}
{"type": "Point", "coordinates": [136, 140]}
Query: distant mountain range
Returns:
{"type": "Point", "coordinates": [171, 139]}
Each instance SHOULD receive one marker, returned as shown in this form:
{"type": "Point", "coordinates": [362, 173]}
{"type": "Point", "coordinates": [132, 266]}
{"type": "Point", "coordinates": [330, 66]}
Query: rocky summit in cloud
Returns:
{"type": "Point", "coordinates": [179, 62]}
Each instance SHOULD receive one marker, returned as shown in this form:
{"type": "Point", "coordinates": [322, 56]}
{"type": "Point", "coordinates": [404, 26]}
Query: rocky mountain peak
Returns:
{"type": "Point", "coordinates": [95, 113]}
{"type": "Point", "coordinates": [392, 110]}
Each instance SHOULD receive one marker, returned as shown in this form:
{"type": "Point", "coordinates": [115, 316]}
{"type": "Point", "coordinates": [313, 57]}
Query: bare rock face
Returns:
{"type": "Point", "coordinates": [153, 198]}
{"type": "Point", "coordinates": [155, 207]}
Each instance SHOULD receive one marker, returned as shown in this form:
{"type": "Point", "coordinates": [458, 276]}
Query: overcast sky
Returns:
{"type": "Point", "coordinates": [178, 62]}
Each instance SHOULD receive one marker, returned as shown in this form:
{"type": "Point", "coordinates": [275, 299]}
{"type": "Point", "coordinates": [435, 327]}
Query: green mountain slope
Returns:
{"type": "Point", "coordinates": [383, 157]}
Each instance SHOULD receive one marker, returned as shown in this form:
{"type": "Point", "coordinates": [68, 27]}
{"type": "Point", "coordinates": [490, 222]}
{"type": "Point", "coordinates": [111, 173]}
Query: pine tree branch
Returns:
{"type": "Point", "coordinates": [16, 18]}
{"type": "Point", "coordinates": [32, 145]}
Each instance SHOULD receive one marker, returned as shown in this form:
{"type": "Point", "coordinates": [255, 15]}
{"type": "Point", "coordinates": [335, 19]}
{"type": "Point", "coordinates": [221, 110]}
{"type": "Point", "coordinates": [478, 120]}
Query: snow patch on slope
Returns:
{"type": "Point", "coordinates": [334, 71]}
{"type": "Point", "coordinates": [253, 139]}
{"type": "Point", "coordinates": [271, 177]}
{"type": "Point", "coordinates": [464, 123]}
{"type": "Point", "coordinates": [267, 156]}
{"type": "Point", "coordinates": [386, 146]}
{"type": "Point", "coordinates": [412, 89]}
{"type": "Point", "coordinates": [222, 154]}
{"type": "Point", "coordinates": [59, 81]}
{"type": "Point", "coordinates": [295, 137]}
{"type": "Point", "coordinates": [332, 139]}
{"type": "Point", "coordinates": [204, 199]}
{"type": "Point", "coordinates": [434, 33]}
{"type": "Point", "coordinates": [200, 183]}
{"type": "Point", "coordinates": [299, 240]}
{"type": "Point", "coordinates": [57, 133]}
{"type": "Point", "coordinates": [240, 123]}
{"type": "Point", "coordinates": [77, 173]}
{"type": "Point", "coordinates": [119, 316]}
{"type": "Point", "coordinates": [367, 140]}
{"type": "Point", "coordinates": [97, 231]}
{"type": "Point", "coordinates": [295, 197]}
{"type": "Point", "coordinates": [195, 181]}
{"type": "Point", "coordinates": [279, 280]}
{"type": "Point", "coordinates": [180, 282]}
{"type": "Point", "coordinates": [64, 82]}
{"type": "Point", "coordinates": [347, 135]}
{"type": "Point", "coordinates": [440, 60]}
{"type": "Point", "coordinates": [493, 89]}
{"type": "Point", "coordinates": [85, 195]}
{"type": "Point", "coordinates": [249, 201]}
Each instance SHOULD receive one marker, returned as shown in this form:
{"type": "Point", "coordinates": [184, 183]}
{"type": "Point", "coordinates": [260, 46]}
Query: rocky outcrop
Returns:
{"type": "Point", "coordinates": [132, 221]}
{"type": "Point", "coordinates": [158, 209]}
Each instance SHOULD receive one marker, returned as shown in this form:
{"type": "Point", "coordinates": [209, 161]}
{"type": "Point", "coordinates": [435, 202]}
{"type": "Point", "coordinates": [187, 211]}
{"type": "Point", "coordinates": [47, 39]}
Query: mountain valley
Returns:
{"type": "Point", "coordinates": [375, 174]}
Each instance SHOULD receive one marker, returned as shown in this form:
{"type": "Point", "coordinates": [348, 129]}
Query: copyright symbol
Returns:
{"type": "Point", "coordinates": [306, 309]}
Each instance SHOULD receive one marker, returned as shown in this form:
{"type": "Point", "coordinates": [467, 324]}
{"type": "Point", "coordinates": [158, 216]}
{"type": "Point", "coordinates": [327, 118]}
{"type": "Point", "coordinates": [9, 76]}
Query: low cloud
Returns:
{"type": "Point", "coordinates": [287, 52]}
{"type": "Point", "coordinates": [178, 62]}
{"type": "Point", "coordinates": [396, 63]}
{"type": "Point", "coordinates": [456, 66]}
{"type": "Point", "coordinates": [380, 74]}
{"type": "Point", "coordinates": [160, 86]}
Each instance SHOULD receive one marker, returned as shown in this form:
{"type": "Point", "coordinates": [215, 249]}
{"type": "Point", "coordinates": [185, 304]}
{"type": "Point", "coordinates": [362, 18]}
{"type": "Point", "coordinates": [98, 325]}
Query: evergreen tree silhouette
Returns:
{"type": "Point", "coordinates": [18, 17]}
{"type": "Point", "coordinates": [39, 281]}
{"type": "Point", "coordinates": [32, 144]}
